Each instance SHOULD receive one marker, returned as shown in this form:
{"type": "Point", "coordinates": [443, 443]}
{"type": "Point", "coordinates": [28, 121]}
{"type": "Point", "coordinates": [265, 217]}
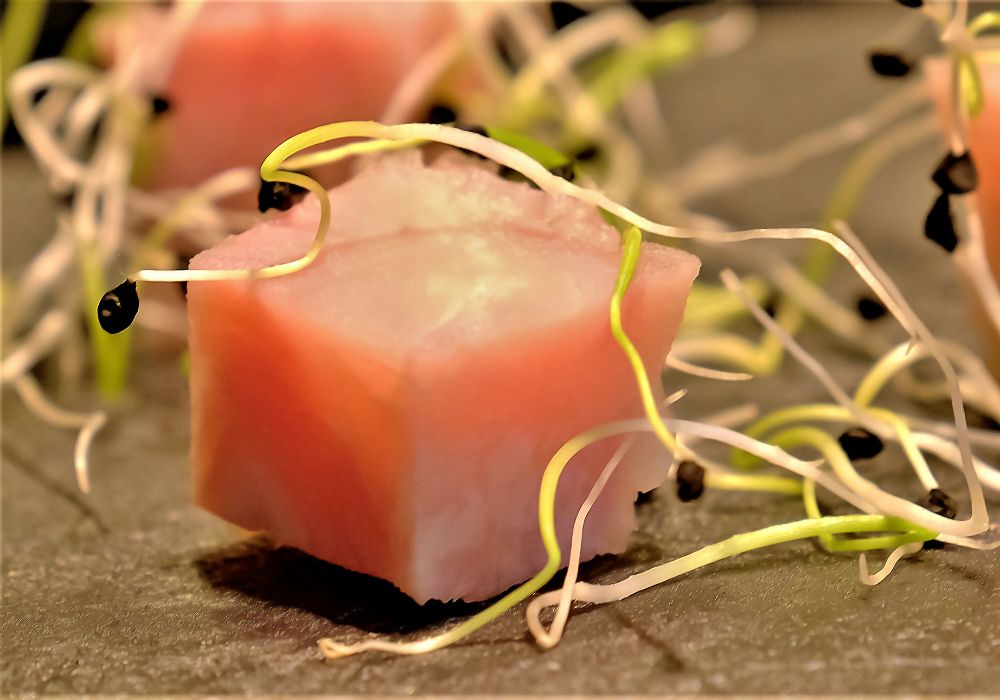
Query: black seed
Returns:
{"type": "Point", "coordinates": [859, 443]}
{"type": "Point", "coordinates": [771, 306]}
{"type": "Point", "coordinates": [588, 152]}
{"type": "Point", "coordinates": [514, 176]}
{"type": "Point", "coordinates": [871, 309]}
{"type": "Point", "coordinates": [911, 3]}
{"type": "Point", "coordinates": [956, 174]}
{"type": "Point", "coordinates": [65, 199]}
{"type": "Point", "coordinates": [939, 503]}
{"type": "Point", "coordinates": [940, 226]}
{"type": "Point", "coordinates": [472, 128]}
{"type": "Point", "coordinates": [690, 480]}
{"type": "Point", "coordinates": [501, 45]}
{"type": "Point", "coordinates": [567, 171]}
{"type": "Point", "coordinates": [160, 104]}
{"type": "Point", "coordinates": [652, 9]}
{"type": "Point", "coordinates": [889, 65]}
{"type": "Point", "coordinates": [441, 114]}
{"type": "Point", "coordinates": [118, 307]}
{"type": "Point", "coordinates": [278, 195]}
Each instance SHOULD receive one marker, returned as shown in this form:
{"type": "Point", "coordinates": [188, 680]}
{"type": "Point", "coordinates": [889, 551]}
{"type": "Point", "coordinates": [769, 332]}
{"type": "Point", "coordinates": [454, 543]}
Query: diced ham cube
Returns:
{"type": "Point", "coordinates": [984, 144]}
{"type": "Point", "coordinates": [391, 407]}
{"type": "Point", "coordinates": [248, 74]}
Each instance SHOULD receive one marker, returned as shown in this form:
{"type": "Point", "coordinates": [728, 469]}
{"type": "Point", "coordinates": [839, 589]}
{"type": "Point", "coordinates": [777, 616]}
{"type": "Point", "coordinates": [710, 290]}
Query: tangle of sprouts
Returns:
{"type": "Point", "coordinates": [567, 92]}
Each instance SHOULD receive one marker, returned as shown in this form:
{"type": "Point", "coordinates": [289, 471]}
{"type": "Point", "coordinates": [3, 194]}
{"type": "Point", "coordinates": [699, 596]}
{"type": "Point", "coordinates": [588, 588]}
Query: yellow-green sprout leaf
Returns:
{"type": "Point", "coordinates": [985, 22]}
{"type": "Point", "coordinates": [970, 85]}
{"type": "Point", "coordinates": [666, 47]}
{"type": "Point", "coordinates": [111, 352]}
{"type": "Point", "coordinates": [546, 155]}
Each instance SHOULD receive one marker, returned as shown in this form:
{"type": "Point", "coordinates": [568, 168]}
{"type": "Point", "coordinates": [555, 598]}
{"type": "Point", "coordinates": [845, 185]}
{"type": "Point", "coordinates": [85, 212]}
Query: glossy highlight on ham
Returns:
{"type": "Point", "coordinates": [391, 407]}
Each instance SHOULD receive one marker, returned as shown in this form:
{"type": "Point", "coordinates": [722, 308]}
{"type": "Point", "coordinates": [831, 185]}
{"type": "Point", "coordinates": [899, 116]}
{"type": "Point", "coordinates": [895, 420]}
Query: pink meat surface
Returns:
{"type": "Point", "coordinates": [391, 407]}
{"type": "Point", "coordinates": [984, 144]}
{"type": "Point", "coordinates": [249, 74]}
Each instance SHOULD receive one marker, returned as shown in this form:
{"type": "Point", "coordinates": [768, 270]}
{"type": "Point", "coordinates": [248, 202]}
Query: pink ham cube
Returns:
{"type": "Point", "coordinates": [249, 74]}
{"type": "Point", "coordinates": [984, 144]}
{"type": "Point", "coordinates": [391, 407]}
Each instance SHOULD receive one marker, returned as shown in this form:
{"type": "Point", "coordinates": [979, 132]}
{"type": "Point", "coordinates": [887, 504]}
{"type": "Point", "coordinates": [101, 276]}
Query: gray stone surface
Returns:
{"type": "Point", "coordinates": [133, 590]}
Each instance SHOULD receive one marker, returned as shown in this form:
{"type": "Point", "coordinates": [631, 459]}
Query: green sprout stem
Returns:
{"type": "Point", "coordinates": [985, 22]}
{"type": "Point", "coordinates": [832, 413]}
{"type": "Point", "coordinates": [739, 544]}
{"type": "Point", "coordinates": [746, 482]}
{"type": "Point", "coordinates": [666, 47]}
{"type": "Point", "coordinates": [834, 544]}
{"type": "Point", "coordinates": [111, 352]}
{"type": "Point", "coordinates": [847, 192]}
{"type": "Point", "coordinates": [970, 84]}
{"type": "Point", "coordinates": [712, 306]}
{"type": "Point", "coordinates": [631, 246]}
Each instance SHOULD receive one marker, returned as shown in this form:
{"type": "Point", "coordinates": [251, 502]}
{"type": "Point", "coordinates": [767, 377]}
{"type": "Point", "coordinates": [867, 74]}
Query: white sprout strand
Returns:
{"type": "Point", "coordinates": [22, 86]}
{"type": "Point", "coordinates": [770, 453]}
{"type": "Point", "coordinates": [822, 307]}
{"type": "Point", "coordinates": [411, 93]}
{"type": "Point", "coordinates": [712, 172]}
{"type": "Point", "coordinates": [686, 367]}
{"type": "Point", "coordinates": [925, 440]}
{"type": "Point", "coordinates": [657, 575]}
{"type": "Point", "coordinates": [675, 397]}
{"type": "Point", "coordinates": [477, 20]}
{"type": "Point", "coordinates": [53, 105]}
{"type": "Point", "coordinates": [582, 111]}
{"type": "Point", "coordinates": [224, 184]}
{"type": "Point", "coordinates": [209, 222]}
{"type": "Point", "coordinates": [890, 563]}
{"type": "Point", "coordinates": [947, 451]}
{"type": "Point", "coordinates": [43, 272]}
{"type": "Point", "coordinates": [87, 423]}
{"type": "Point", "coordinates": [550, 638]}
{"type": "Point", "coordinates": [767, 452]}
{"type": "Point", "coordinates": [854, 480]}
{"type": "Point", "coordinates": [970, 543]}
{"type": "Point", "coordinates": [160, 55]}
{"type": "Point", "coordinates": [983, 438]}
{"type": "Point", "coordinates": [979, 514]}
{"type": "Point", "coordinates": [980, 387]}
{"type": "Point", "coordinates": [81, 115]}
{"type": "Point", "coordinates": [39, 342]}
{"type": "Point", "coordinates": [615, 25]}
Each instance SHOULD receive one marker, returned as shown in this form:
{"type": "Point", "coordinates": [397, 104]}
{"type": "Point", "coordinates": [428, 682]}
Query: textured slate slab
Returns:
{"type": "Point", "coordinates": [133, 590]}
